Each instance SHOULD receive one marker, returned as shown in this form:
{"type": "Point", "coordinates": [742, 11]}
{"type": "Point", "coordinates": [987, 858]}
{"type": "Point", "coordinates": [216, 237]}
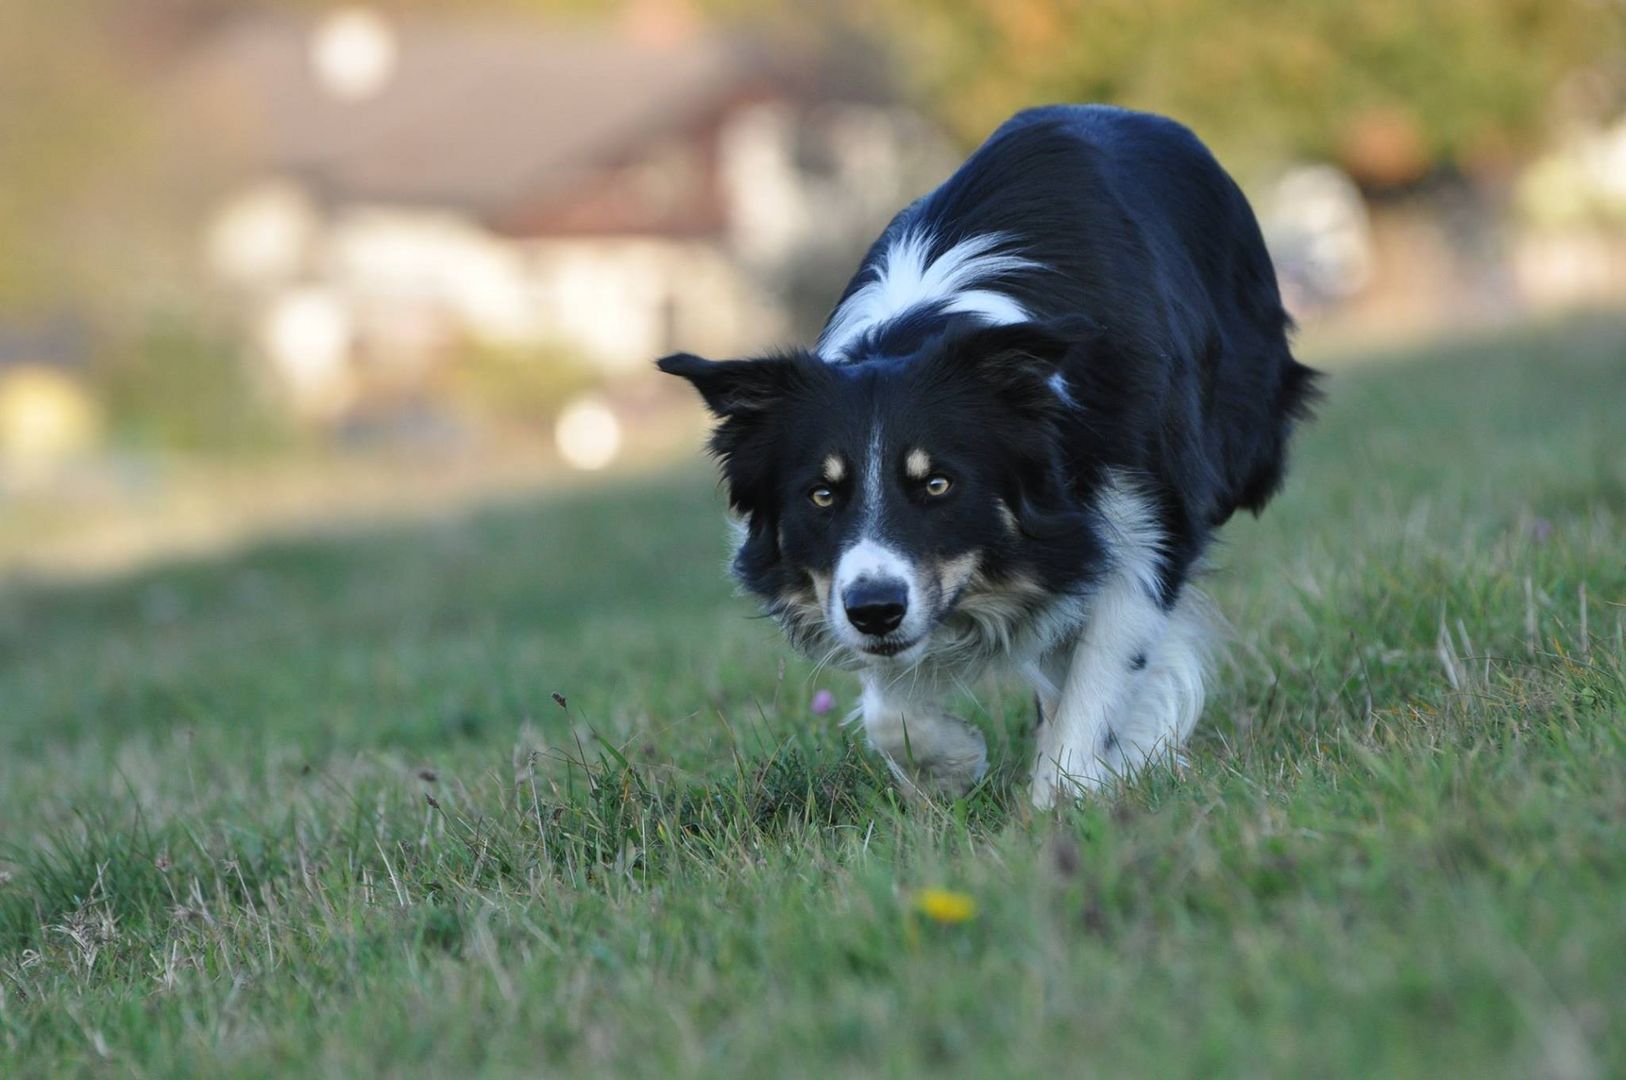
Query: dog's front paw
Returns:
{"type": "Point", "coordinates": [950, 765]}
{"type": "Point", "coordinates": [1066, 778]}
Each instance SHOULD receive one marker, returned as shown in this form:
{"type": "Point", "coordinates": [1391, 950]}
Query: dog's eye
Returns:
{"type": "Point", "coordinates": [822, 497]}
{"type": "Point", "coordinates": [938, 485]}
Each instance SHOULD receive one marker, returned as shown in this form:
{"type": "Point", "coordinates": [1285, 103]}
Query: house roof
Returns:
{"type": "Point", "coordinates": [479, 116]}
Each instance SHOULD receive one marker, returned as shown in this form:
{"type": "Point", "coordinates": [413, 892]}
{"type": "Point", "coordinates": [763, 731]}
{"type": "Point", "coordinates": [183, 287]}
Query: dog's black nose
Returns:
{"type": "Point", "coordinates": [876, 608]}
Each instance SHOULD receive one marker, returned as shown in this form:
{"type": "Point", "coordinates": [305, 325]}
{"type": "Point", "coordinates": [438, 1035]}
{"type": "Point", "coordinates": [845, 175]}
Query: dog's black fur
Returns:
{"type": "Point", "coordinates": [1157, 304]}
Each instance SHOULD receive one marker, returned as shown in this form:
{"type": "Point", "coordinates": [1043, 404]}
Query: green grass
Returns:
{"type": "Point", "coordinates": [313, 810]}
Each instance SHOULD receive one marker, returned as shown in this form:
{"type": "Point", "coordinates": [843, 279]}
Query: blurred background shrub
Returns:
{"type": "Point", "coordinates": [515, 386]}
{"type": "Point", "coordinates": [181, 384]}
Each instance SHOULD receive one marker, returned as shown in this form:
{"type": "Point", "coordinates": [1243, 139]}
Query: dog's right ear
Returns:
{"type": "Point", "coordinates": [733, 389]}
{"type": "Point", "coordinates": [743, 395]}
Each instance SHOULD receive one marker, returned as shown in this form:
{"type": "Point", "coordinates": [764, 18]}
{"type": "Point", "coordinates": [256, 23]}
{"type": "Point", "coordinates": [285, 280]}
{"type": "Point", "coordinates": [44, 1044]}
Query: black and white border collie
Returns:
{"type": "Point", "coordinates": [1049, 383]}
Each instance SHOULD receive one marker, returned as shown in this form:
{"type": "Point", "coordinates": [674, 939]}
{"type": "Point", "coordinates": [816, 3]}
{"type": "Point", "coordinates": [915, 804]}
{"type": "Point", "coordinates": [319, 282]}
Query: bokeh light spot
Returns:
{"type": "Point", "coordinates": [588, 434]}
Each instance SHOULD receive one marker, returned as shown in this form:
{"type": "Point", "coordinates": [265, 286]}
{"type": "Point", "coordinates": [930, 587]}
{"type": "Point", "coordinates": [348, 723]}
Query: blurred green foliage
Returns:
{"type": "Point", "coordinates": [181, 384]}
{"type": "Point", "coordinates": [517, 385]}
{"type": "Point", "coordinates": [63, 115]}
{"type": "Point", "coordinates": [1464, 81]}
{"type": "Point", "coordinates": [1387, 82]}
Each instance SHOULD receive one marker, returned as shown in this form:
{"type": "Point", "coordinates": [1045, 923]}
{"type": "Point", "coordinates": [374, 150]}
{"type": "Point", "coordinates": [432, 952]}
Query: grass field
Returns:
{"type": "Point", "coordinates": [313, 810]}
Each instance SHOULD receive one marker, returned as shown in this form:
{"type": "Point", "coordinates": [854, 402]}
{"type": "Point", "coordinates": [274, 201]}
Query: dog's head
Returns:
{"type": "Point", "coordinates": [897, 506]}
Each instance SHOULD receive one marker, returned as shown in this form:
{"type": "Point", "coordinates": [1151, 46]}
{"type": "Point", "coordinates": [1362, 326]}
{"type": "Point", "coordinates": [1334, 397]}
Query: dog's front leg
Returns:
{"type": "Point", "coordinates": [1096, 680]}
{"type": "Point", "coordinates": [926, 748]}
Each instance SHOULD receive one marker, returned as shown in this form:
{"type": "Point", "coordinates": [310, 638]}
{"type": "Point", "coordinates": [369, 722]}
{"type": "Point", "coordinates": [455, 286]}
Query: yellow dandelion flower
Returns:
{"type": "Point", "coordinates": [945, 906]}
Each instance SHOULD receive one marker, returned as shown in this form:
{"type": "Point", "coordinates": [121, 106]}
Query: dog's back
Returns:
{"type": "Point", "coordinates": [1196, 222]}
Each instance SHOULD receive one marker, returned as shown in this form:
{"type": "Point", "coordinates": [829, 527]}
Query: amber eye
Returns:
{"type": "Point", "coordinates": [822, 497]}
{"type": "Point", "coordinates": [938, 485]}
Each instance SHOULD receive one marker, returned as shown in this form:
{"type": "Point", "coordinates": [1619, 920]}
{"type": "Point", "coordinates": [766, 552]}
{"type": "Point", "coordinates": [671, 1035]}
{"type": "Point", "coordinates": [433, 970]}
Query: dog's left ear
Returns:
{"type": "Point", "coordinates": [733, 389]}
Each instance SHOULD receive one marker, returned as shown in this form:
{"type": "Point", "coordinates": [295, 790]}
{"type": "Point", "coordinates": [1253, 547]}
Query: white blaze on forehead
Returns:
{"type": "Point", "coordinates": [918, 463]}
{"type": "Point", "coordinates": [873, 464]}
{"type": "Point", "coordinates": [835, 469]}
{"type": "Point", "coordinates": [903, 278]}
{"type": "Point", "coordinates": [870, 560]}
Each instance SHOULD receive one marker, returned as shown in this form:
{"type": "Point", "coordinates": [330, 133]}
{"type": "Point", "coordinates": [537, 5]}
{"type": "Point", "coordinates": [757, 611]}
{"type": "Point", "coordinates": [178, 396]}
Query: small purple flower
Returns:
{"type": "Point", "coordinates": [823, 702]}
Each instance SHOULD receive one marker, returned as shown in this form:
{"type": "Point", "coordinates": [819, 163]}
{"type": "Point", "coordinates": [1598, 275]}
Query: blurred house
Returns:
{"type": "Point", "coordinates": [1319, 232]}
{"type": "Point", "coordinates": [1405, 246]}
{"type": "Point", "coordinates": [1571, 246]}
{"type": "Point", "coordinates": [401, 189]}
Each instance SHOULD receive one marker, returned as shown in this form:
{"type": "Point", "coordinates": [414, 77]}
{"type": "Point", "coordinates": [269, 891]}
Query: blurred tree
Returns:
{"type": "Point", "coordinates": [97, 216]}
{"type": "Point", "coordinates": [60, 120]}
{"type": "Point", "coordinates": [1386, 87]}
